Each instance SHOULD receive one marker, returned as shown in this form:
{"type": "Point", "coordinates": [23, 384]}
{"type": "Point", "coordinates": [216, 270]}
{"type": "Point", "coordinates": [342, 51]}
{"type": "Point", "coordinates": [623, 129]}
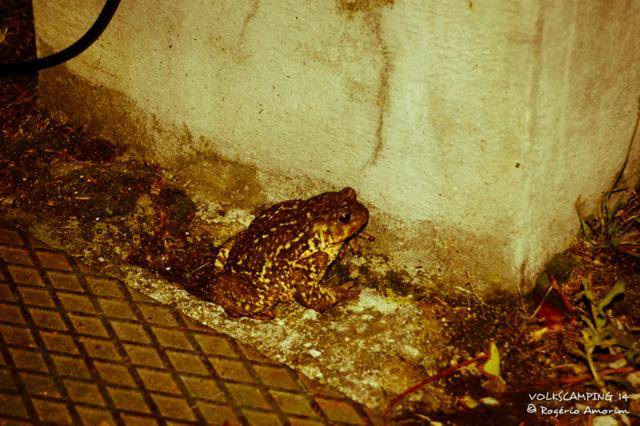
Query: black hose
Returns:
{"type": "Point", "coordinates": [37, 64]}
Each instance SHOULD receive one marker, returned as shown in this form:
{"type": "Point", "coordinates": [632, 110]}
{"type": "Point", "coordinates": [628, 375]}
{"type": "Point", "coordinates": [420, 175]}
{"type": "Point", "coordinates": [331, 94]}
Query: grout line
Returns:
{"type": "Point", "coordinates": [46, 357]}
{"type": "Point", "coordinates": [220, 382]}
{"type": "Point", "coordinates": [264, 389]}
{"type": "Point", "coordinates": [161, 350]}
{"type": "Point", "coordinates": [17, 380]}
{"type": "Point", "coordinates": [56, 376]}
{"type": "Point", "coordinates": [126, 362]}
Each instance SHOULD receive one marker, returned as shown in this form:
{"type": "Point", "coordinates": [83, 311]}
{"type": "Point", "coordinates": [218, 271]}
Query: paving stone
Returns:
{"type": "Point", "coordinates": [86, 392]}
{"type": "Point", "coordinates": [55, 341]}
{"type": "Point", "coordinates": [216, 345]}
{"type": "Point", "coordinates": [53, 412]}
{"type": "Point", "coordinates": [6, 381]}
{"type": "Point", "coordinates": [104, 287]}
{"type": "Point", "coordinates": [88, 325]}
{"type": "Point", "coordinates": [258, 418]}
{"type": "Point", "coordinates": [72, 367]}
{"type": "Point", "coordinates": [130, 332]}
{"type": "Point", "coordinates": [126, 399]}
{"type": "Point", "coordinates": [158, 314]}
{"type": "Point", "coordinates": [173, 407]}
{"type": "Point", "coordinates": [24, 275]}
{"type": "Point", "coordinates": [11, 313]}
{"type": "Point", "coordinates": [17, 336]}
{"type": "Point", "coordinates": [100, 349]}
{"type": "Point", "coordinates": [47, 319]}
{"type": "Point", "coordinates": [64, 281]}
{"type": "Point", "coordinates": [76, 302]}
{"type": "Point", "coordinates": [339, 411]}
{"type": "Point", "coordinates": [28, 360]}
{"type": "Point", "coordinates": [95, 416]}
{"type": "Point", "coordinates": [231, 370]}
{"type": "Point", "coordinates": [276, 377]}
{"type": "Point", "coordinates": [293, 403]}
{"type": "Point", "coordinates": [142, 355]}
{"type": "Point", "coordinates": [252, 354]}
{"type": "Point", "coordinates": [12, 405]}
{"type": "Point", "coordinates": [200, 387]}
{"type": "Point", "coordinates": [166, 373]}
{"type": "Point", "coordinates": [6, 295]}
{"type": "Point", "coordinates": [247, 395]}
{"type": "Point", "coordinates": [113, 373]}
{"type": "Point", "coordinates": [10, 237]}
{"type": "Point", "coordinates": [117, 309]}
{"type": "Point", "coordinates": [172, 338]}
{"type": "Point", "coordinates": [36, 244]}
{"type": "Point", "coordinates": [54, 260]}
{"type": "Point", "coordinates": [136, 296]}
{"type": "Point", "coordinates": [187, 363]}
{"type": "Point", "coordinates": [218, 414]}
{"type": "Point", "coordinates": [36, 297]}
{"type": "Point", "coordinates": [158, 381]}
{"type": "Point", "coordinates": [40, 384]}
{"type": "Point", "coordinates": [16, 255]}
{"type": "Point", "coordinates": [132, 420]}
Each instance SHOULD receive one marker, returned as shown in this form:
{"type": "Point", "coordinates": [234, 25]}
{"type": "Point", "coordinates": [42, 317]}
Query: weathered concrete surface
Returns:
{"type": "Point", "coordinates": [367, 348]}
{"type": "Point", "coordinates": [470, 127]}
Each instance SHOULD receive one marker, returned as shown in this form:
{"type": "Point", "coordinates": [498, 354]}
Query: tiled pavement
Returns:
{"type": "Point", "coordinates": [79, 348]}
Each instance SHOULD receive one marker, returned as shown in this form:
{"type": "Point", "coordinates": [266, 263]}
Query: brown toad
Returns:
{"type": "Point", "coordinates": [284, 254]}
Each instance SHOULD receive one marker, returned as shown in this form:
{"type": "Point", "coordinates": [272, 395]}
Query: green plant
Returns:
{"type": "Point", "coordinates": [616, 224]}
{"type": "Point", "coordinates": [600, 334]}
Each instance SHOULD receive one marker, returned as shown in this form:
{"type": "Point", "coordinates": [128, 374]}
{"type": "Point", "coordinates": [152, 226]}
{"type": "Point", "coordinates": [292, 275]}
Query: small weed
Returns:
{"type": "Point", "coordinates": [3, 34]}
{"type": "Point", "coordinates": [599, 334]}
{"type": "Point", "coordinates": [615, 226]}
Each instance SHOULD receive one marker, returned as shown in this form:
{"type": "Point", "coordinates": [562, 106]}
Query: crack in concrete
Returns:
{"type": "Point", "coordinates": [383, 86]}
{"type": "Point", "coordinates": [372, 16]}
{"type": "Point", "coordinates": [253, 11]}
{"type": "Point", "coordinates": [530, 150]}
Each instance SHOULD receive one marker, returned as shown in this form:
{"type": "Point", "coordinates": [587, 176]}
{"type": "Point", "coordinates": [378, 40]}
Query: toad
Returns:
{"type": "Point", "coordinates": [284, 254]}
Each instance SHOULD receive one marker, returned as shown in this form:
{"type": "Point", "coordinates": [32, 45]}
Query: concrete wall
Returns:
{"type": "Point", "coordinates": [471, 127]}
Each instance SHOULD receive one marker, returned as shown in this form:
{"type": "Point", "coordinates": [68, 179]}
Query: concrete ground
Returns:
{"type": "Point", "coordinates": [82, 348]}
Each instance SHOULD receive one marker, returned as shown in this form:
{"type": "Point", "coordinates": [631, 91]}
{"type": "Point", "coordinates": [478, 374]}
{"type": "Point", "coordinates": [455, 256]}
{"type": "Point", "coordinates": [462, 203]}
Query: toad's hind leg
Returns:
{"type": "Point", "coordinates": [239, 298]}
{"type": "Point", "coordinates": [315, 297]}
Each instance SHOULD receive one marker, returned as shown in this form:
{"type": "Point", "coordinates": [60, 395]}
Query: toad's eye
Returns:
{"type": "Point", "coordinates": [345, 217]}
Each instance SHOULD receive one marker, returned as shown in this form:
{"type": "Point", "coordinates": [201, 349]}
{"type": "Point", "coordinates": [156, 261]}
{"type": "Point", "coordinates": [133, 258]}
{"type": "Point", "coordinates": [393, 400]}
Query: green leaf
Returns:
{"type": "Point", "coordinates": [615, 291]}
{"type": "Point", "coordinates": [577, 352]}
{"type": "Point", "coordinates": [491, 367]}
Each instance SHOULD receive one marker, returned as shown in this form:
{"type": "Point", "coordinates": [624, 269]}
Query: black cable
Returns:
{"type": "Point", "coordinates": [37, 64]}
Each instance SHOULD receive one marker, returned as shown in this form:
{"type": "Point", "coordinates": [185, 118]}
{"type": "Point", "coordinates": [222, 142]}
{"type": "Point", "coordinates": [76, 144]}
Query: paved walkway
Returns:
{"type": "Point", "coordinates": [80, 348]}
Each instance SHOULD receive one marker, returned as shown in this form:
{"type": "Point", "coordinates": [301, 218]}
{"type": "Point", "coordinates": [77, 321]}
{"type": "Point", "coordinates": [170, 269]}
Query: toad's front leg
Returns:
{"type": "Point", "coordinates": [239, 297]}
